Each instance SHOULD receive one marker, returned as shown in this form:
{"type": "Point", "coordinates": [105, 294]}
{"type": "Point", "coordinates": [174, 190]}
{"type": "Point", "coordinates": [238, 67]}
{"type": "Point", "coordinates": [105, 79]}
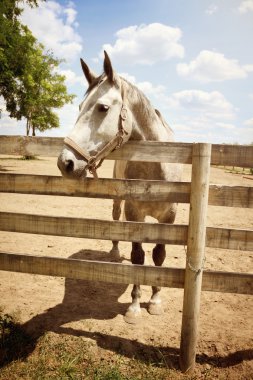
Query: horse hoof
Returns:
{"type": "Point", "coordinates": [155, 308]}
{"type": "Point", "coordinates": [132, 317]}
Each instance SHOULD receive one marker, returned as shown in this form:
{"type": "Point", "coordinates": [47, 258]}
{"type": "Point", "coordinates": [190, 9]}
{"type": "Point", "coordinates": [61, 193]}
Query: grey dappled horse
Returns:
{"type": "Point", "coordinates": [113, 112]}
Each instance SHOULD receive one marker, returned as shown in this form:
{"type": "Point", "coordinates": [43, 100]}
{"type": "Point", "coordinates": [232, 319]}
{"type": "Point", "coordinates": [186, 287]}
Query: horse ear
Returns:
{"type": "Point", "coordinates": [89, 75]}
{"type": "Point", "coordinates": [108, 67]}
{"type": "Point", "coordinates": [111, 74]}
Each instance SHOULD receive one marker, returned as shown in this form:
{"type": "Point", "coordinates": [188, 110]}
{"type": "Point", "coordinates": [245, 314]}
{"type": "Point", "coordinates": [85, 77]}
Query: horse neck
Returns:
{"type": "Point", "coordinates": [147, 123]}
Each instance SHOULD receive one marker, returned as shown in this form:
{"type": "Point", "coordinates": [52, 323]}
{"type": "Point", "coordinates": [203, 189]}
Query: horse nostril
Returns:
{"type": "Point", "coordinates": [69, 166]}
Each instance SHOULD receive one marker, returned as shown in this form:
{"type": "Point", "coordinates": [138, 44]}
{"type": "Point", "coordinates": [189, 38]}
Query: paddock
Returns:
{"type": "Point", "coordinates": [178, 235]}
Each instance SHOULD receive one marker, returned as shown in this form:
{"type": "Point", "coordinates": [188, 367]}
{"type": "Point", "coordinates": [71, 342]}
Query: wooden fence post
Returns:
{"type": "Point", "coordinates": [201, 155]}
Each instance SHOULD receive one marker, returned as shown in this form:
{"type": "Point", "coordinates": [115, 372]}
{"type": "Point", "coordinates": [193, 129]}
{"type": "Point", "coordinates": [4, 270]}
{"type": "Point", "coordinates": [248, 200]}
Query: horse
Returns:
{"type": "Point", "coordinates": [113, 112]}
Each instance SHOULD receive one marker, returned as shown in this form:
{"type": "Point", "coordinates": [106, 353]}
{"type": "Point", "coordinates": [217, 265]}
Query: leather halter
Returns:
{"type": "Point", "coordinates": [94, 162]}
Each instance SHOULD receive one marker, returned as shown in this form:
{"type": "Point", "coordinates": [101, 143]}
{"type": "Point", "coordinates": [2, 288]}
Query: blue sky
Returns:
{"type": "Point", "coordinates": [193, 59]}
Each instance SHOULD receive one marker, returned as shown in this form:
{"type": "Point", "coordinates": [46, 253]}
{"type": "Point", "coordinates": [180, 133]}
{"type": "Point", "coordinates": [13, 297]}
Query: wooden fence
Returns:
{"type": "Point", "coordinates": [196, 235]}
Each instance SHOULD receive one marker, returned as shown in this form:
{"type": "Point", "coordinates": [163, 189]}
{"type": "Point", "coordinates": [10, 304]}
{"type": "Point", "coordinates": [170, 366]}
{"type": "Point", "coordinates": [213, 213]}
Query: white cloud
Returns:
{"type": "Point", "coordinates": [72, 78]}
{"type": "Point", "coordinates": [9, 126]}
{"type": "Point", "coordinates": [210, 66]}
{"type": "Point", "coordinates": [213, 8]}
{"type": "Point", "coordinates": [225, 125]}
{"type": "Point", "coordinates": [211, 104]}
{"type": "Point", "coordinates": [246, 6]}
{"type": "Point", "coordinates": [68, 115]}
{"type": "Point", "coordinates": [128, 77]}
{"type": "Point", "coordinates": [205, 129]}
{"type": "Point", "coordinates": [71, 15]}
{"type": "Point", "coordinates": [249, 123]}
{"type": "Point", "coordinates": [242, 136]}
{"type": "Point", "coordinates": [146, 44]}
{"type": "Point", "coordinates": [55, 27]}
{"type": "Point", "coordinates": [147, 87]}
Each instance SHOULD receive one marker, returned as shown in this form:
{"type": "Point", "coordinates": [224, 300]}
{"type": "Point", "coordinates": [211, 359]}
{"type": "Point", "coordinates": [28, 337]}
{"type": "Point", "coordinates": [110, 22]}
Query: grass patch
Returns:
{"type": "Point", "coordinates": [64, 357]}
{"type": "Point", "coordinates": [69, 357]}
{"type": "Point", "coordinates": [235, 169]}
{"type": "Point", "coordinates": [29, 158]}
{"type": "Point", "coordinates": [19, 158]}
{"type": "Point", "coordinates": [13, 340]}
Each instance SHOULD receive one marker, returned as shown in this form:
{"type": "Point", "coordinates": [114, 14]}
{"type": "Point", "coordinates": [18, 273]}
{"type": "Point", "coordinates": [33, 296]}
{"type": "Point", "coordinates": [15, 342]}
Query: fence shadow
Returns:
{"type": "Point", "coordinates": [84, 300]}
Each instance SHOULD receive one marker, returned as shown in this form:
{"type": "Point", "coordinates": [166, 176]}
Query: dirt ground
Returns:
{"type": "Point", "coordinates": [94, 311]}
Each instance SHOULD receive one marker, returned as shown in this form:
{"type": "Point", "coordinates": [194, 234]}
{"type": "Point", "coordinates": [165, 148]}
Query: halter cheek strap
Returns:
{"type": "Point", "coordinates": [94, 162]}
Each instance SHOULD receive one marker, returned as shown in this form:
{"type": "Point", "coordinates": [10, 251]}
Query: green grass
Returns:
{"type": "Point", "coordinates": [18, 158]}
{"type": "Point", "coordinates": [235, 169]}
{"type": "Point", "coordinates": [64, 357]}
{"type": "Point", "coordinates": [68, 357]}
{"type": "Point", "coordinates": [13, 340]}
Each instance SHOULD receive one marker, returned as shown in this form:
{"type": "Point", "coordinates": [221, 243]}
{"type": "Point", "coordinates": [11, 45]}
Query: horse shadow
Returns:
{"type": "Point", "coordinates": [84, 300]}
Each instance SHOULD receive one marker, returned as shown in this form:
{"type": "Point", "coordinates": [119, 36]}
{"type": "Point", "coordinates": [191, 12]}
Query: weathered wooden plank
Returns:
{"type": "Point", "coordinates": [232, 155]}
{"type": "Point", "coordinates": [228, 238]}
{"type": "Point", "coordinates": [230, 196]}
{"type": "Point", "coordinates": [93, 228]}
{"type": "Point", "coordinates": [155, 191]}
{"type": "Point", "coordinates": [134, 150]}
{"type": "Point", "coordinates": [235, 155]}
{"type": "Point", "coordinates": [29, 146]}
{"type": "Point", "coordinates": [123, 231]}
{"type": "Point", "coordinates": [101, 188]}
{"type": "Point", "coordinates": [123, 273]}
{"type": "Point", "coordinates": [154, 151]}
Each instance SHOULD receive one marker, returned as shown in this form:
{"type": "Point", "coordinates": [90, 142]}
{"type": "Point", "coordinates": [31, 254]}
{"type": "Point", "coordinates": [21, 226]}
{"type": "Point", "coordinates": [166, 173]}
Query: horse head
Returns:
{"type": "Point", "coordinates": [104, 123]}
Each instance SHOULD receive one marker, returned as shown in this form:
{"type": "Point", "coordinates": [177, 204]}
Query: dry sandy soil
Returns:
{"type": "Point", "coordinates": [95, 310]}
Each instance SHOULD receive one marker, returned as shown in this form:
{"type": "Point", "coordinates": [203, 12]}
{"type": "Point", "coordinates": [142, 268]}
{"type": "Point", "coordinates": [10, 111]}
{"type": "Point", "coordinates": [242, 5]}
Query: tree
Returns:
{"type": "Point", "coordinates": [43, 90]}
{"type": "Point", "coordinates": [29, 82]}
{"type": "Point", "coordinates": [15, 44]}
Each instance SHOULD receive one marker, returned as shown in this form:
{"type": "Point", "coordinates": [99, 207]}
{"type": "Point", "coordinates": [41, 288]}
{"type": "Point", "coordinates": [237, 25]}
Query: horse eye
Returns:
{"type": "Point", "coordinates": [103, 108]}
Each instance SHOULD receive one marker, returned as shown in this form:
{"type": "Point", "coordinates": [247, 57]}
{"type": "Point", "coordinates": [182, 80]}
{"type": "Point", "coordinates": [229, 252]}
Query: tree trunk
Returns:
{"type": "Point", "coordinates": [27, 127]}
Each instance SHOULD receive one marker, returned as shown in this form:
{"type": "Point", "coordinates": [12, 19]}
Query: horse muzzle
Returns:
{"type": "Point", "coordinates": [70, 166]}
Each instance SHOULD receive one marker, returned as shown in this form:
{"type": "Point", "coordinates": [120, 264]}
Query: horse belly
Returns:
{"type": "Point", "coordinates": [161, 211]}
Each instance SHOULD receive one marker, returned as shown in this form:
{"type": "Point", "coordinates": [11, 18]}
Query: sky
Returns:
{"type": "Point", "coordinates": [192, 58]}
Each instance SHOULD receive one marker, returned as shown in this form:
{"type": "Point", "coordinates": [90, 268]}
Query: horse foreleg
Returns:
{"type": "Point", "coordinates": [134, 311]}
{"type": "Point", "coordinates": [155, 303]}
{"type": "Point", "coordinates": [116, 212]}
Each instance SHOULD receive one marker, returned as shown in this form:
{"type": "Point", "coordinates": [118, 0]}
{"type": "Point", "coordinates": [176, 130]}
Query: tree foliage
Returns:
{"type": "Point", "coordinates": [29, 81]}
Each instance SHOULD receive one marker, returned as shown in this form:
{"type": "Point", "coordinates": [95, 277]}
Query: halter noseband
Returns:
{"type": "Point", "coordinates": [94, 162]}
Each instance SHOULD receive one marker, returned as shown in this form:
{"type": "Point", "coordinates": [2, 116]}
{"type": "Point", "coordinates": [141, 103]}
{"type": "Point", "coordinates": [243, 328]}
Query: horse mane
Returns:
{"type": "Point", "coordinates": [137, 100]}
{"type": "Point", "coordinates": [145, 108]}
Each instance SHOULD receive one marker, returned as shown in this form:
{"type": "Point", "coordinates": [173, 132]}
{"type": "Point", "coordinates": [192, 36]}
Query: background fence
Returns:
{"type": "Point", "coordinates": [196, 236]}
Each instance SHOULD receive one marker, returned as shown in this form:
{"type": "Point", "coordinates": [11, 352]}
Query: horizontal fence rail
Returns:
{"type": "Point", "coordinates": [152, 191]}
{"type": "Point", "coordinates": [123, 273]}
{"type": "Point", "coordinates": [107, 188]}
{"type": "Point", "coordinates": [233, 155]}
{"type": "Point", "coordinates": [161, 233]}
